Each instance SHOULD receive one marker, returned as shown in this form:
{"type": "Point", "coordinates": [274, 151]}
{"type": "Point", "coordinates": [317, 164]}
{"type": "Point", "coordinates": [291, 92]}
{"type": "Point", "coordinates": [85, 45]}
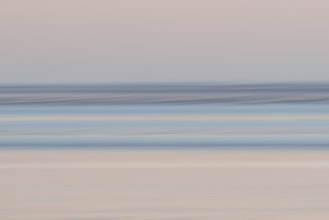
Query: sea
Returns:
{"type": "Point", "coordinates": [169, 116]}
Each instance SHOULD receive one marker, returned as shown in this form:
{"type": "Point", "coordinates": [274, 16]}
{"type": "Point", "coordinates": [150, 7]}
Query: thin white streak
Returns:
{"type": "Point", "coordinates": [168, 132]}
{"type": "Point", "coordinates": [310, 164]}
{"type": "Point", "coordinates": [196, 117]}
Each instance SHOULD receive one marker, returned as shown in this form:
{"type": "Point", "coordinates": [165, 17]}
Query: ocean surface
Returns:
{"type": "Point", "coordinates": [278, 116]}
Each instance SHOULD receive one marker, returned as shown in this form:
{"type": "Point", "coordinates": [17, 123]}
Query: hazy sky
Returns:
{"type": "Point", "coordinates": [55, 41]}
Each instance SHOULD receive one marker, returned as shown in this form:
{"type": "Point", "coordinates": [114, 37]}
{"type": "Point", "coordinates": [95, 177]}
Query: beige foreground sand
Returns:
{"type": "Point", "coordinates": [164, 185]}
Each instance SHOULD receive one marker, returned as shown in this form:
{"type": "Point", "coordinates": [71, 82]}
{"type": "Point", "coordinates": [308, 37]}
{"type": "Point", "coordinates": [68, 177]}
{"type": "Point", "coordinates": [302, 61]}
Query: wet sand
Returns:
{"type": "Point", "coordinates": [152, 185]}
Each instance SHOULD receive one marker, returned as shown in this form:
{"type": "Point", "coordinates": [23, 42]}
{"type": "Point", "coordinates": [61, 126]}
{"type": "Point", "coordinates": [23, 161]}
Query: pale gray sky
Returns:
{"type": "Point", "coordinates": [90, 41]}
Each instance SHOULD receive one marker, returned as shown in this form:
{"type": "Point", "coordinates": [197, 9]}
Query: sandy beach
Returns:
{"type": "Point", "coordinates": [142, 185]}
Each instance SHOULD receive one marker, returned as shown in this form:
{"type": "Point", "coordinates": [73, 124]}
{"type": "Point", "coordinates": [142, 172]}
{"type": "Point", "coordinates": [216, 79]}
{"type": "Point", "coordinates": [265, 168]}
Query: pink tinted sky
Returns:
{"type": "Point", "coordinates": [54, 41]}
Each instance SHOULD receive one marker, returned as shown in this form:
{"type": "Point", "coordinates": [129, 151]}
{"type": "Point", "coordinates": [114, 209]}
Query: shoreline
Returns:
{"type": "Point", "coordinates": [163, 158]}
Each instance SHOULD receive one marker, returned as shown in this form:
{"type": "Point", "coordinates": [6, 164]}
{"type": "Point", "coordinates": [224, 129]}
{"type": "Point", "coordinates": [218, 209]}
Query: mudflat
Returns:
{"type": "Point", "coordinates": [145, 185]}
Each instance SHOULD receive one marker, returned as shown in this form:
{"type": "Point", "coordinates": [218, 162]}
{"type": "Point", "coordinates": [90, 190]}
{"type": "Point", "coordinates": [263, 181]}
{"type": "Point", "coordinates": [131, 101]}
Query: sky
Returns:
{"type": "Point", "coordinates": [115, 41]}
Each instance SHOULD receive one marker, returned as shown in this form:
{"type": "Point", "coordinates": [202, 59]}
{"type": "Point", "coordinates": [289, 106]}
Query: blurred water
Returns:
{"type": "Point", "coordinates": [274, 126]}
